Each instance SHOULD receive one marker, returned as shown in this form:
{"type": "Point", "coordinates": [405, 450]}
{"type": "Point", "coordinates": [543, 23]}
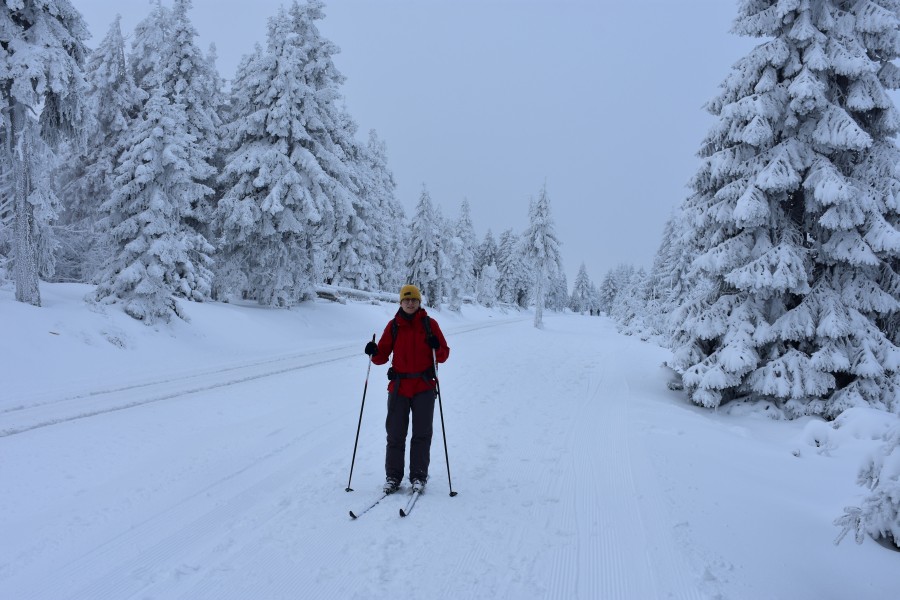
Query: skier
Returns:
{"type": "Point", "coordinates": [416, 341]}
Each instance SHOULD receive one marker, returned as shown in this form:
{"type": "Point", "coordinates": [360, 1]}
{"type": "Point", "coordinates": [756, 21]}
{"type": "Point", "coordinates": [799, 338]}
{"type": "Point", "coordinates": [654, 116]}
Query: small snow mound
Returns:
{"type": "Point", "coordinates": [864, 423]}
{"type": "Point", "coordinates": [819, 434]}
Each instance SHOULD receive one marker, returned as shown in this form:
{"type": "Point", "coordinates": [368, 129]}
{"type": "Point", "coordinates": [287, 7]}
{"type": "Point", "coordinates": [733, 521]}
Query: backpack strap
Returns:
{"type": "Point", "coordinates": [426, 322]}
{"type": "Point", "coordinates": [428, 374]}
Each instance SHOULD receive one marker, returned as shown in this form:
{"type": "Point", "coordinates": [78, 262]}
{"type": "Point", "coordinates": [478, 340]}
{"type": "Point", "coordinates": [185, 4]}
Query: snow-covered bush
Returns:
{"type": "Point", "coordinates": [879, 515]}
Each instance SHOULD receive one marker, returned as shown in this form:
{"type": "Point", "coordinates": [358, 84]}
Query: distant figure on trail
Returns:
{"type": "Point", "coordinates": [413, 341]}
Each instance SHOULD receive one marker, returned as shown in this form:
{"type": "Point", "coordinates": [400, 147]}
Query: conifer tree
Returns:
{"type": "Point", "coordinates": [155, 188]}
{"type": "Point", "coordinates": [581, 291]}
{"type": "Point", "coordinates": [385, 216]}
{"type": "Point", "coordinates": [486, 291]}
{"type": "Point", "coordinates": [630, 306]}
{"type": "Point", "coordinates": [879, 515]}
{"type": "Point", "coordinates": [423, 266]}
{"type": "Point", "coordinates": [267, 215]}
{"type": "Point", "coordinates": [542, 254]}
{"type": "Point", "coordinates": [149, 45]}
{"type": "Point", "coordinates": [514, 277]}
{"type": "Point", "coordinates": [558, 291]}
{"type": "Point", "coordinates": [795, 215]}
{"type": "Point", "coordinates": [460, 250]}
{"type": "Point", "coordinates": [160, 209]}
{"type": "Point", "coordinates": [486, 253]}
{"type": "Point", "coordinates": [191, 80]}
{"type": "Point", "coordinates": [115, 103]}
{"type": "Point", "coordinates": [349, 250]}
{"type": "Point", "coordinates": [41, 103]}
{"type": "Point", "coordinates": [606, 293]}
{"type": "Point", "coordinates": [310, 85]}
{"type": "Point", "coordinates": [668, 274]}
{"type": "Point", "coordinates": [464, 229]}
{"type": "Point", "coordinates": [291, 198]}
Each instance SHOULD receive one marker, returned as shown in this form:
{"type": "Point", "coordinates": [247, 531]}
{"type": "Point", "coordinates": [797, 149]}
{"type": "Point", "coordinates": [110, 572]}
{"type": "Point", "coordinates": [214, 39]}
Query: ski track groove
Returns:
{"type": "Point", "coordinates": [145, 554]}
{"type": "Point", "coordinates": [663, 570]}
{"type": "Point", "coordinates": [46, 412]}
{"type": "Point", "coordinates": [609, 535]}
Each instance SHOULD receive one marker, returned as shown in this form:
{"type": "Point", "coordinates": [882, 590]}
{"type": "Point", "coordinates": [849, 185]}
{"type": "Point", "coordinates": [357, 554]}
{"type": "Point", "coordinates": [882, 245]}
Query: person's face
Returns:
{"type": "Point", "coordinates": [409, 305]}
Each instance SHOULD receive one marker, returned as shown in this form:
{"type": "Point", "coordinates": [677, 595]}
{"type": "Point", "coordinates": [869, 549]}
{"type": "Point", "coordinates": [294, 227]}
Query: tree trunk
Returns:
{"type": "Point", "coordinates": [539, 298]}
{"type": "Point", "coordinates": [26, 267]}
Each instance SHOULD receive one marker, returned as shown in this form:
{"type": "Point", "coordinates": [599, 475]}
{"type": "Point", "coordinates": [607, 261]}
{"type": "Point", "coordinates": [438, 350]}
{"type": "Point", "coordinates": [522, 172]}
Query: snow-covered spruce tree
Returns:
{"type": "Point", "coordinates": [328, 149]}
{"type": "Point", "coordinates": [443, 229]}
{"type": "Point", "coordinates": [558, 291]}
{"type": "Point", "coordinates": [460, 251]}
{"type": "Point", "coordinates": [454, 273]}
{"type": "Point", "coordinates": [149, 43]}
{"type": "Point", "coordinates": [631, 305]}
{"type": "Point", "coordinates": [464, 229]}
{"type": "Point", "coordinates": [220, 104]}
{"type": "Point", "coordinates": [42, 102]}
{"type": "Point", "coordinates": [515, 278]}
{"type": "Point", "coordinates": [606, 293]}
{"type": "Point", "coordinates": [486, 289]}
{"type": "Point", "coordinates": [669, 273]}
{"type": "Point", "coordinates": [349, 249]}
{"type": "Point", "coordinates": [289, 191]}
{"type": "Point", "coordinates": [424, 260]}
{"type": "Point", "coordinates": [386, 218]}
{"type": "Point", "coordinates": [580, 300]}
{"type": "Point", "coordinates": [486, 254]}
{"type": "Point", "coordinates": [267, 214]}
{"type": "Point", "coordinates": [6, 214]}
{"type": "Point", "coordinates": [190, 80]}
{"type": "Point", "coordinates": [794, 209]}
{"type": "Point", "coordinates": [595, 298]}
{"type": "Point", "coordinates": [541, 248]}
{"type": "Point", "coordinates": [879, 515]}
{"type": "Point", "coordinates": [615, 289]}
{"type": "Point", "coordinates": [114, 102]}
{"type": "Point", "coordinates": [155, 188]}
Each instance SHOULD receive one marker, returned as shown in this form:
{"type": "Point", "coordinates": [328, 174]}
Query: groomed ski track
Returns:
{"type": "Point", "coordinates": [246, 497]}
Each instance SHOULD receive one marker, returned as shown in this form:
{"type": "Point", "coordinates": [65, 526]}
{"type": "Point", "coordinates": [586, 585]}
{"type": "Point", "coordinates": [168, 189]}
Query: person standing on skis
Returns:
{"type": "Point", "coordinates": [413, 341]}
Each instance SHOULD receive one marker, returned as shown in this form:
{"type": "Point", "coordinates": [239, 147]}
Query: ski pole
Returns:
{"type": "Point", "coordinates": [437, 387]}
{"type": "Point", "coordinates": [359, 425]}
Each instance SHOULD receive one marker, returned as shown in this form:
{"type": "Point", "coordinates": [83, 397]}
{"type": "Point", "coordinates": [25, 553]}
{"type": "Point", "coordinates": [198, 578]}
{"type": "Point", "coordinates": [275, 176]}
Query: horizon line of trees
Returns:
{"type": "Point", "coordinates": [136, 170]}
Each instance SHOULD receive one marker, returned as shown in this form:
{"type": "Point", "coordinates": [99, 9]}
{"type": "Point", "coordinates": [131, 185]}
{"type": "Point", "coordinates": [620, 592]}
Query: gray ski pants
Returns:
{"type": "Point", "coordinates": [397, 424]}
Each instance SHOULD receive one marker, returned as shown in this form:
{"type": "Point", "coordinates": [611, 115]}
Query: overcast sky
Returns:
{"type": "Point", "coordinates": [489, 99]}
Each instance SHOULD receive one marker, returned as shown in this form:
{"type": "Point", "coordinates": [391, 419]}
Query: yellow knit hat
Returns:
{"type": "Point", "coordinates": [410, 291]}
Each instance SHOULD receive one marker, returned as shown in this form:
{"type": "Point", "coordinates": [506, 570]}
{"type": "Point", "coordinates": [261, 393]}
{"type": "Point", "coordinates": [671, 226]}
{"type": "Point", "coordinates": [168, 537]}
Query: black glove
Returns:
{"type": "Point", "coordinates": [432, 342]}
{"type": "Point", "coordinates": [371, 348]}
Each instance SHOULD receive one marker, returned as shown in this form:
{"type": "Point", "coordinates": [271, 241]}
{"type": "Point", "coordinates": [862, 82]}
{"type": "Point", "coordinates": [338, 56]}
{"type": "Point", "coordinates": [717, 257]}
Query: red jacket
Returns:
{"type": "Point", "coordinates": [411, 353]}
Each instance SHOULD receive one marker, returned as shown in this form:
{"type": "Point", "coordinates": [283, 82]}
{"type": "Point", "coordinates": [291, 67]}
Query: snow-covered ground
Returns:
{"type": "Point", "coordinates": [209, 460]}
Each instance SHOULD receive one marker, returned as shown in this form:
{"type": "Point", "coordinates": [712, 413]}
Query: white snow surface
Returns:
{"type": "Point", "coordinates": [209, 460]}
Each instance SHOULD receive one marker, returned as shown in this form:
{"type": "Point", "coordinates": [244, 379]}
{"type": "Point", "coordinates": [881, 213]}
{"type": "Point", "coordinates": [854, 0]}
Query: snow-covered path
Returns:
{"type": "Point", "coordinates": [228, 482]}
